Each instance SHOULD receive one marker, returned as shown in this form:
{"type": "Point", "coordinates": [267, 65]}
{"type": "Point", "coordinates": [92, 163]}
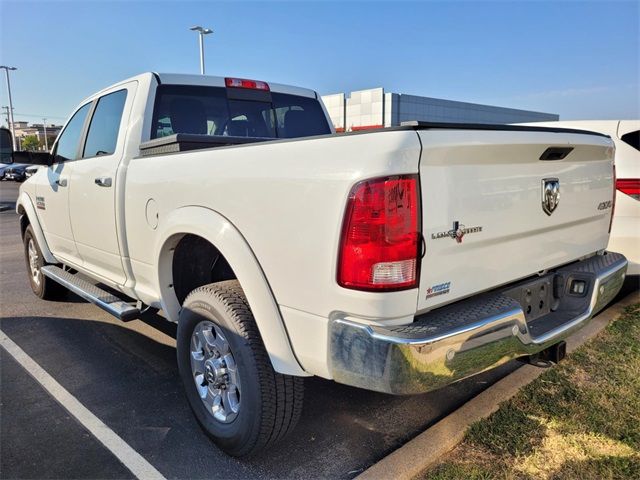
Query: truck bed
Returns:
{"type": "Point", "coordinates": [182, 142]}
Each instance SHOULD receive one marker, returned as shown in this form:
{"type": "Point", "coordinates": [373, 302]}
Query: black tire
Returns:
{"type": "Point", "coordinates": [270, 403]}
{"type": "Point", "coordinates": [43, 287]}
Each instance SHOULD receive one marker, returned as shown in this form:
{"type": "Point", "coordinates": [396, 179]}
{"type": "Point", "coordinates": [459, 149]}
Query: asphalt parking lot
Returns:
{"type": "Point", "coordinates": [126, 375]}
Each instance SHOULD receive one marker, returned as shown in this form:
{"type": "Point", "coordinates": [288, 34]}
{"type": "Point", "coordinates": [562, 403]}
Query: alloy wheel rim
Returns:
{"type": "Point", "coordinates": [215, 372]}
{"type": "Point", "coordinates": [33, 261]}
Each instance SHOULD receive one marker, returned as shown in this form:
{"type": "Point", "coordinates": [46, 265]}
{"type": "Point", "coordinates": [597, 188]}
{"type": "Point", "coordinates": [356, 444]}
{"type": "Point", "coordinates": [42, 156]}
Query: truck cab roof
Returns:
{"type": "Point", "coordinates": [205, 81]}
{"type": "Point", "coordinates": [215, 81]}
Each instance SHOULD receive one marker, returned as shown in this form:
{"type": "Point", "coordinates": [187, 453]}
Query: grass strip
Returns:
{"type": "Point", "coordinates": [579, 420]}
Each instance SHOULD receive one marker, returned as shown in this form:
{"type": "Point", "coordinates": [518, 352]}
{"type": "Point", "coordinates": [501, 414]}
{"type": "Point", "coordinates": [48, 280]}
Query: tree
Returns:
{"type": "Point", "coordinates": [30, 142]}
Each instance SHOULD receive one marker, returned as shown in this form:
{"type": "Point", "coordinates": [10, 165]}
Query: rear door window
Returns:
{"type": "Point", "coordinates": [105, 125]}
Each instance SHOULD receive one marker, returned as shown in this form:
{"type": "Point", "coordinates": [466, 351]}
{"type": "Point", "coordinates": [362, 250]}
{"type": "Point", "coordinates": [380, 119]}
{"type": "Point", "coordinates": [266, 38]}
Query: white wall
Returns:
{"type": "Point", "coordinates": [373, 107]}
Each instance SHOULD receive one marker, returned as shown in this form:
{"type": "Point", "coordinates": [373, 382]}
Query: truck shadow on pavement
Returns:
{"type": "Point", "coordinates": [131, 382]}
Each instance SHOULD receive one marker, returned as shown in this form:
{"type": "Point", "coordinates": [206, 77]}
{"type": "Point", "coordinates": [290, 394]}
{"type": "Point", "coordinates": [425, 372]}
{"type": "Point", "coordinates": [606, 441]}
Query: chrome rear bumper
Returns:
{"type": "Point", "coordinates": [474, 335]}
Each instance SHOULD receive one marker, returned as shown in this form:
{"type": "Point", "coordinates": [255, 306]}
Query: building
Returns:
{"type": "Point", "coordinates": [375, 108]}
{"type": "Point", "coordinates": [23, 129]}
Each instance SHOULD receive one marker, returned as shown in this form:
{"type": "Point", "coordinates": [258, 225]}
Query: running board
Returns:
{"type": "Point", "coordinates": [105, 300]}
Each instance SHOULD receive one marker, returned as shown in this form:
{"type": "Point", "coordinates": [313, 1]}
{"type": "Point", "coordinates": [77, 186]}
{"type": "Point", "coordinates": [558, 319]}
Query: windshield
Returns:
{"type": "Point", "coordinates": [215, 111]}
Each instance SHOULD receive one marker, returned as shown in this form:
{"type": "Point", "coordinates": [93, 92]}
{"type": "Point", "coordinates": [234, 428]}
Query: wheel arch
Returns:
{"type": "Point", "coordinates": [28, 216]}
{"type": "Point", "coordinates": [229, 242]}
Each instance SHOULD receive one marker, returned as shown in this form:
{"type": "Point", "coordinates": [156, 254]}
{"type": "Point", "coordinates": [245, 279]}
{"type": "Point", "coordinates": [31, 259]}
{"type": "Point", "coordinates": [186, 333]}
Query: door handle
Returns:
{"type": "Point", "coordinates": [62, 182]}
{"type": "Point", "coordinates": [103, 181]}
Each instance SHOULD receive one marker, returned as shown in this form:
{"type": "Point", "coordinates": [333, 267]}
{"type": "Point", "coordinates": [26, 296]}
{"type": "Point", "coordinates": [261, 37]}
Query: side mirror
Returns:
{"type": "Point", "coordinates": [6, 146]}
{"type": "Point", "coordinates": [32, 158]}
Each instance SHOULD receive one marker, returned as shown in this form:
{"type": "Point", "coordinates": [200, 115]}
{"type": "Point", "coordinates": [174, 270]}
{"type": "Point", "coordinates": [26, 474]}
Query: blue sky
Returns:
{"type": "Point", "coordinates": [578, 59]}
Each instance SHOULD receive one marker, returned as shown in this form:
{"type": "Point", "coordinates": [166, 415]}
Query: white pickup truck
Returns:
{"type": "Point", "coordinates": [397, 260]}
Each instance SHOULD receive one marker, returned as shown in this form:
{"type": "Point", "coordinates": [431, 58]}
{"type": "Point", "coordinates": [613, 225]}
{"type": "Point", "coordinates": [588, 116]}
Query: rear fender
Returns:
{"type": "Point", "coordinates": [221, 233]}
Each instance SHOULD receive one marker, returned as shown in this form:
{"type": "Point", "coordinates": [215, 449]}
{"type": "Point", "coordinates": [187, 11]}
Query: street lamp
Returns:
{"type": "Point", "coordinates": [201, 33]}
{"type": "Point", "coordinates": [13, 132]}
{"type": "Point", "coordinates": [46, 140]}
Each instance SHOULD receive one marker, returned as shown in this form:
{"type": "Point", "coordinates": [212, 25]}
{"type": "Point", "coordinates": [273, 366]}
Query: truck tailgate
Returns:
{"type": "Point", "coordinates": [484, 219]}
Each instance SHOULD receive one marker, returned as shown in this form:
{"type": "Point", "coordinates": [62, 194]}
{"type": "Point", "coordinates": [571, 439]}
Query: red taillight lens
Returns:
{"type": "Point", "coordinates": [380, 244]}
{"type": "Point", "coordinates": [629, 186]}
{"type": "Point", "coordinates": [244, 83]}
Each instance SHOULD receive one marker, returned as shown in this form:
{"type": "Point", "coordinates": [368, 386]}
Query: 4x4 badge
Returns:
{"type": "Point", "coordinates": [550, 194]}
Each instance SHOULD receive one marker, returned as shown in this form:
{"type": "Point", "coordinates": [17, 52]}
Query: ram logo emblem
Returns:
{"type": "Point", "coordinates": [550, 194]}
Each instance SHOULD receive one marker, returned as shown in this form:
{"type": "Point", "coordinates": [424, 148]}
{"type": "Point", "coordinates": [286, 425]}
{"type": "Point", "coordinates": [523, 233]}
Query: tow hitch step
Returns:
{"type": "Point", "coordinates": [103, 299]}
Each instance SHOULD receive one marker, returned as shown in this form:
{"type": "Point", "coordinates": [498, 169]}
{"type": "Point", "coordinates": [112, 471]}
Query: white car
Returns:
{"type": "Point", "coordinates": [397, 260]}
{"type": "Point", "coordinates": [625, 232]}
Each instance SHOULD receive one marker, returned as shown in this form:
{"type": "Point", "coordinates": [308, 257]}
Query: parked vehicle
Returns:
{"type": "Point", "coordinates": [397, 260]}
{"type": "Point", "coordinates": [625, 232]}
{"type": "Point", "coordinates": [16, 172]}
{"type": "Point", "coordinates": [30, 170]}
{"type": "Point", "coordinates": [3, 167]}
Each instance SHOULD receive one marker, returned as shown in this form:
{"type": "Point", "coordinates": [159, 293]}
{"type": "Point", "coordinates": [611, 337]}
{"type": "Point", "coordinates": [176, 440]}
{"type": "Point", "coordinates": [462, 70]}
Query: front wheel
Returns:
{"type": "Point", "coordinates": [42, 286]}
{"type": "Point", "coordinates": [237, 397]}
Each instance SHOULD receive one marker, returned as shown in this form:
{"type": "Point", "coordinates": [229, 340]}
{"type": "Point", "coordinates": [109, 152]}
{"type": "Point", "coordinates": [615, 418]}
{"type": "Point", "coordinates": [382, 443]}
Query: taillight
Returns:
{"type": "Point", "coordinates": [244, 83]}
{"type": "Point", "coordinates": [629, 186]}
{"type": "Point", "coordinates": [613, 200]}
{"type": "Point", "coordinates": [380, 244]}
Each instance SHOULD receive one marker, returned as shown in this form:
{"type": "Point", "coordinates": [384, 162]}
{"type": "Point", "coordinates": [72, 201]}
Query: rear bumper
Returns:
{"type": "Point", "coordinates": [474, 335]}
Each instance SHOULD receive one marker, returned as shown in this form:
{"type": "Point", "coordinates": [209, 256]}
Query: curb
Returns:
{"type": "Point", "coordinates": [427, 448]}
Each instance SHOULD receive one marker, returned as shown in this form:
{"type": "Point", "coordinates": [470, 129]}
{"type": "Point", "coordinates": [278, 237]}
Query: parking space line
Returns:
{"type": "Point", "coordinates": [112, 441]}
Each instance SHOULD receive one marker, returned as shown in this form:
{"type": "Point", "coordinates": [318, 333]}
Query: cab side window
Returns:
{"type": "Point", "coordinates": [105, 125]}
{"type": "Point", "coordinates": [67, 147]}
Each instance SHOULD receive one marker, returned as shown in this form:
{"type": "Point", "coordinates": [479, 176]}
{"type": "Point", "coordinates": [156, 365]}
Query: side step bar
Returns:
{"type": "Point", "coordinates": [105, 300]}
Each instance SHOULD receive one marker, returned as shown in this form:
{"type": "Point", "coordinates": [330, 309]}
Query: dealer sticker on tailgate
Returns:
{"type": "Point", "coordinates": [439, 289]}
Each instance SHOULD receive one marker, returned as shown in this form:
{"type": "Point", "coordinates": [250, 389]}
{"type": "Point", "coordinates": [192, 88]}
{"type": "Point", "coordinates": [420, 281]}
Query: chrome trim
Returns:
{"type": "Point", "coordinates": [106, 301]}
{"type": "Point", "coordinates": [550, 194]}
{"type": "Point", "coordinates": [495, 320]}
{"type": "Point", "coordinates": [103, 181]}
{"type": "Point", "coordinates": [390, 360]}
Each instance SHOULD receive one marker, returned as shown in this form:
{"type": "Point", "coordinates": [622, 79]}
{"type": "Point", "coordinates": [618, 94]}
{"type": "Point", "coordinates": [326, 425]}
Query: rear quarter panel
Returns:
{"type": "Point", "coordinates": [287, 199]}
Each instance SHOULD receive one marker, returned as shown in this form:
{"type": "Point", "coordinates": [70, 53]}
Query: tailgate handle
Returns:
{"type": "Point", "coordinates": [556, 153]}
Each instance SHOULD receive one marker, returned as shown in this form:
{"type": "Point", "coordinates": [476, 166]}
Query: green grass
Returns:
{"type": "Point", "coordinates": [579, 420]}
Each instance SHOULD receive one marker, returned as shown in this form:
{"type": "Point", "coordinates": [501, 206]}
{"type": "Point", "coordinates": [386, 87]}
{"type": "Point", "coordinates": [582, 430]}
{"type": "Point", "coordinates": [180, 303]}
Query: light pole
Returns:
{"type": "Point", "coordinates": [13, 132]}
{"type": "Point", "coordinates": [201, 33]}
{"type": "Point", "coordinates": [46, 140]}
{"type": "Point", "coordinates": [6, 108]}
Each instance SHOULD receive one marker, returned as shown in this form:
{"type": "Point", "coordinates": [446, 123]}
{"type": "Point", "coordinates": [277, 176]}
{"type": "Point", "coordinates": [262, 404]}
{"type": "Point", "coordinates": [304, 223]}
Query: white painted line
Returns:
{"type": "Point", "coordinates": [116, 445]}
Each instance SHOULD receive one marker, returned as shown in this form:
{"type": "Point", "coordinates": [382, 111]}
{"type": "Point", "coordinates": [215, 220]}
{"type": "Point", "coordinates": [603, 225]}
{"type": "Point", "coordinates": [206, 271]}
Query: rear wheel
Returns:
{"type": "Point", "coordinates": [237, 397]}
{"type": "Point", "coordinates": [42, 286]}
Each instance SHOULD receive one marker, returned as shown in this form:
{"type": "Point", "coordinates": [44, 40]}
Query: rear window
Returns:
{"type": "Point", "coordinates": [632, 138]}
{"type": "Point", "coordinates": [210, 111]}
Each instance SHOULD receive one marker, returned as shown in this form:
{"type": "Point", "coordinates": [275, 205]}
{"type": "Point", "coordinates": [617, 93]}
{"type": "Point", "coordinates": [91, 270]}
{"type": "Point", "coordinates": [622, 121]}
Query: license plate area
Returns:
{"type": "Point", "coordinates": [535, 297]}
